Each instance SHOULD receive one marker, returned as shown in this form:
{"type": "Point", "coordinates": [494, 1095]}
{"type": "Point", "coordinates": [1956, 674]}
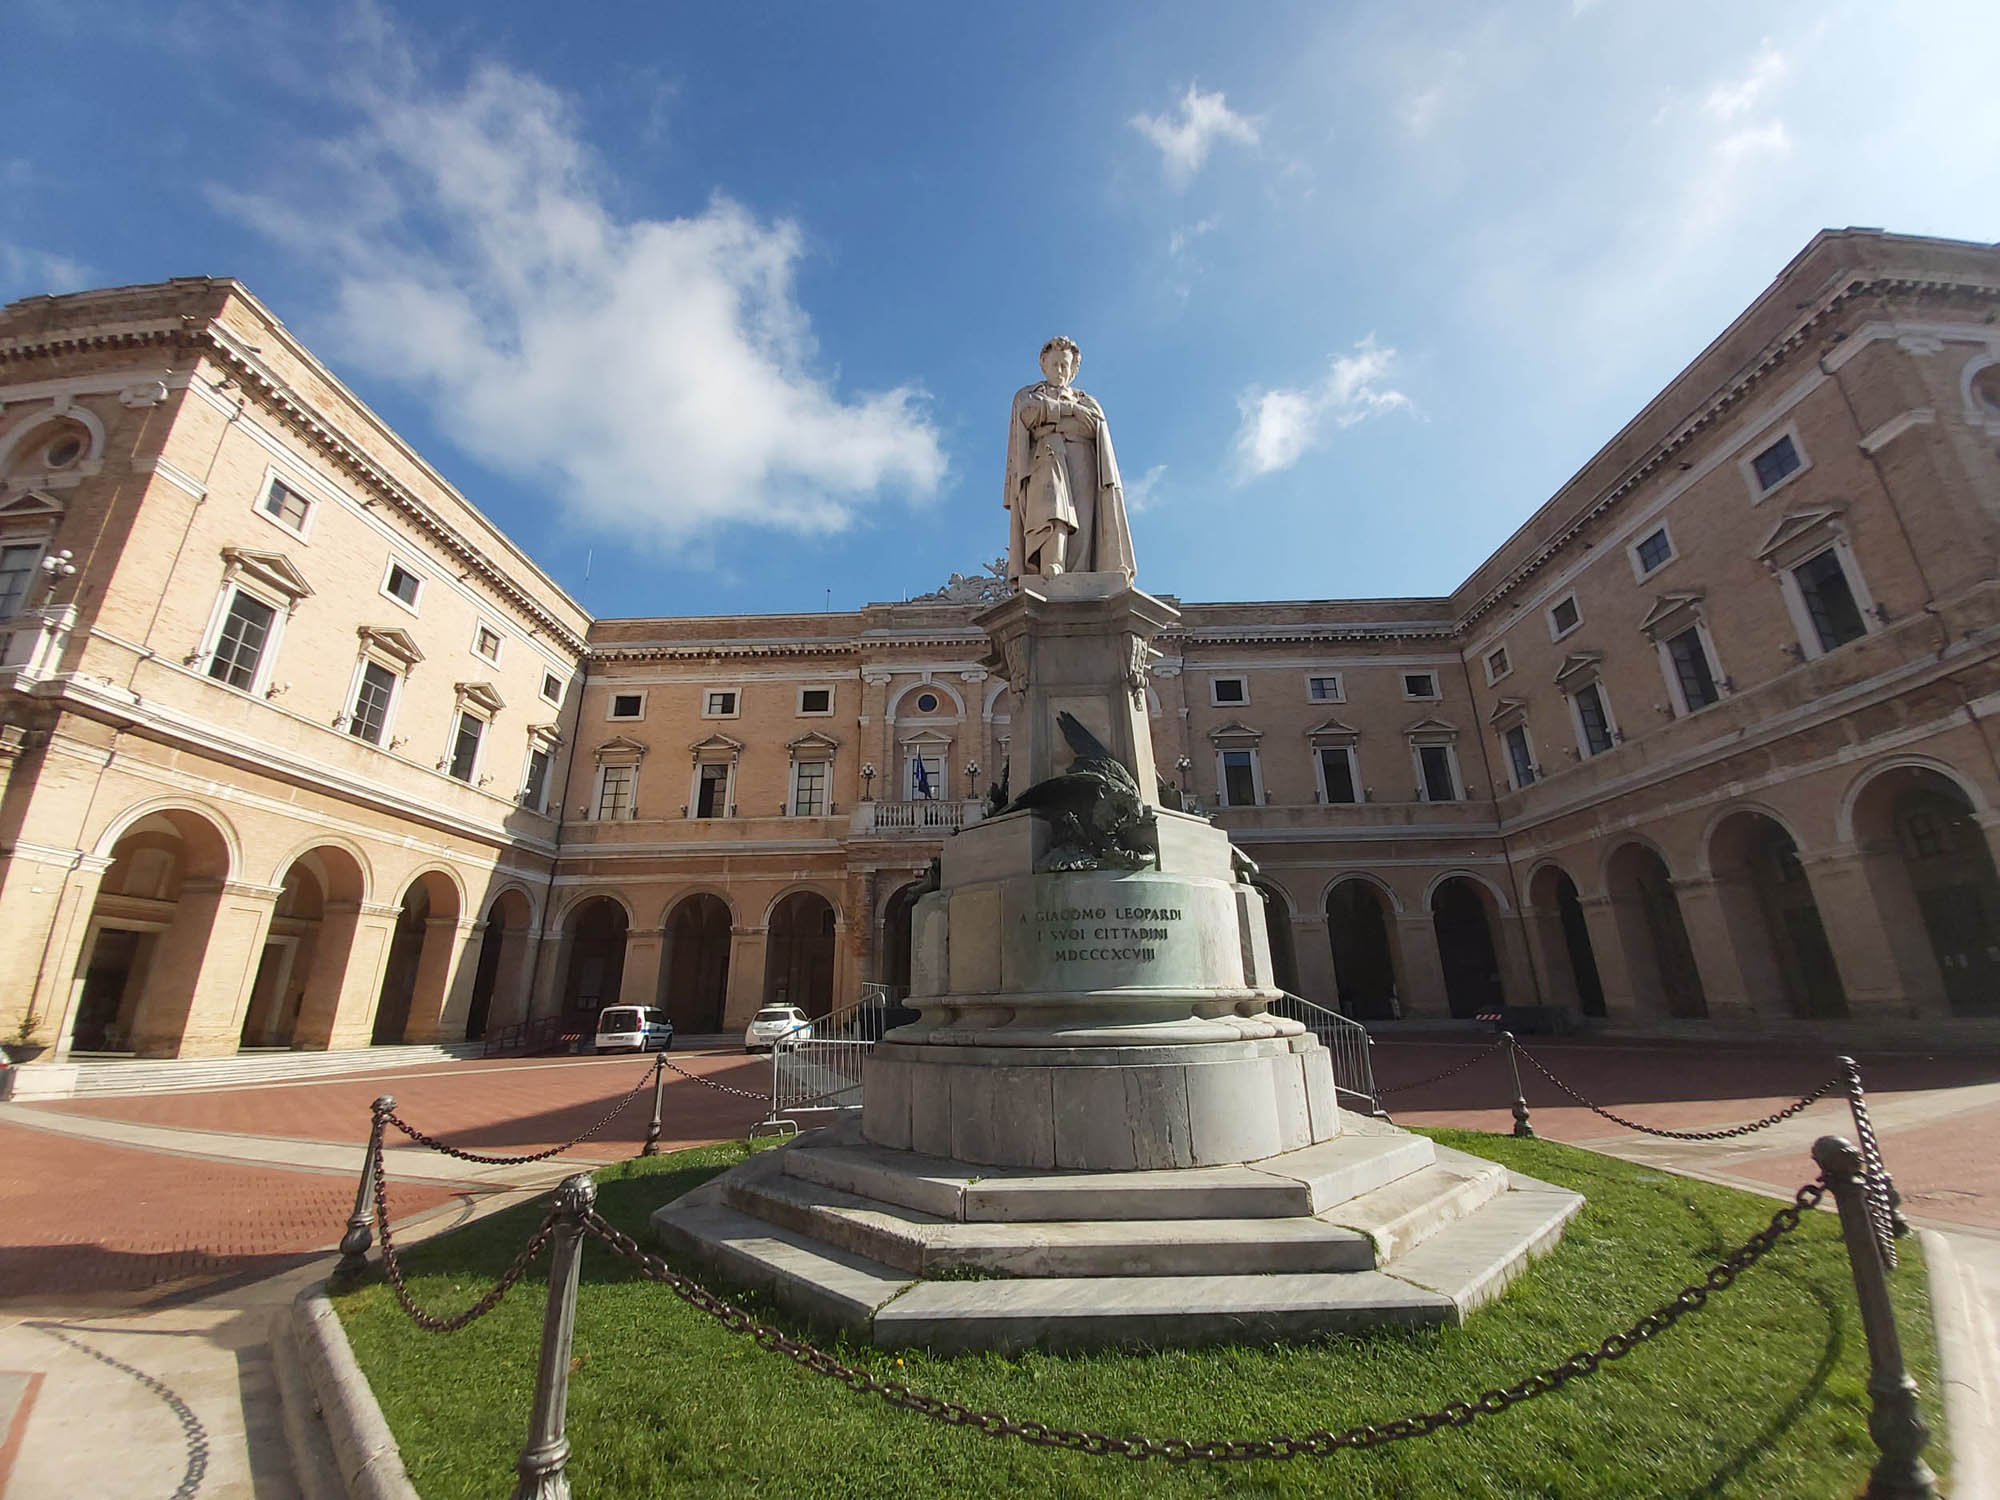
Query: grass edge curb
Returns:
{"type": "Point", "coordinates": [364, 1448]}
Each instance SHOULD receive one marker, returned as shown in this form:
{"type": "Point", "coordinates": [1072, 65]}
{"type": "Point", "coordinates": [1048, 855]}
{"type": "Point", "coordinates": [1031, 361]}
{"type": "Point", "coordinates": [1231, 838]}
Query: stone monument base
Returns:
{"type": "Point", "coordinates": [1101, 1108]}
{"type": "Point", "coordinates": [1374, 1226]}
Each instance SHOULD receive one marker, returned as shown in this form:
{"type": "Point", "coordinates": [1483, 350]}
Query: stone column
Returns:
{"type": "Point", "coordinates": [202, 970]}
{"type": "Point", "coordinates": [345, 975]}
{"type": "Point", "coordinates": [45, 906]}
{"type": "Point", "coordinates": [1718, 946]}
{"type": "Point", "coordinates": [746, 975]}
{"type": "Point", "coordinates": [551, 968]}
{"type": "Point", "coordinates": [645, 951]}
{"type": "Point", "coordinates": [1876, 930]}
{"type": "Point", "coordinates": [1614, 969]}
{"type": "Point", "coordinates": [1520, 981]}
{"type": "Point", "coordinates": [1420, 970]}
{"type": "Point", "coordinates": [1313, 951]}
{"type": "Point", "coordinates": [514, 983]}
{"type": "Point", "coordinates": [443, 989]}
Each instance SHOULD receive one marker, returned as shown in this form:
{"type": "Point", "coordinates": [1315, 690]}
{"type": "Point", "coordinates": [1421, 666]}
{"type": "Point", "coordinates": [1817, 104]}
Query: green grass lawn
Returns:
{"type": "Point", "coordinates": [1760, 1394]}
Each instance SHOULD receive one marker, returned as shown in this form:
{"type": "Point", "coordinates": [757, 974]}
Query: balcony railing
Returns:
{"type": "Point", "coordinates": [922, 819]}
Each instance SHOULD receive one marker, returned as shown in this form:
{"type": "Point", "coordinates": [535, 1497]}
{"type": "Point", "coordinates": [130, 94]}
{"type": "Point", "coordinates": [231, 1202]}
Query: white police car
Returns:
{"type": "Point", "coordinates": [633, 1028]}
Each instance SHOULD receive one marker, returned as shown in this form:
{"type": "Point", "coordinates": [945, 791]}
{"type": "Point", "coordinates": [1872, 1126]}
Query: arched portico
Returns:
{"type": "Point", "coordinates": [799, 957]}
{"type": "Point", "coordinates": [1364, 960]}
{"type": "Point", "coordinates": [1563, 936]}
{"type": "Point", "coordinates": [1463, 911]}
{"type": "Point", "coordinates": [696, 968]}
{"type": "Point", "coordinates": [1659, 958]}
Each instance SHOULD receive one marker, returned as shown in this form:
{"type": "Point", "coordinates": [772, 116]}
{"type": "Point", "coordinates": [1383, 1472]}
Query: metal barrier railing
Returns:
{"type": "Point", "coordinates": [1348, 1042]}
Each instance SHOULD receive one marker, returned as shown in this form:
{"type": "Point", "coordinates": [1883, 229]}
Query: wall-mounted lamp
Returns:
{"type": "Point", "coordinates": [276, 688]}
{"type": "Point", "coordinates": [56, 567]}
{"type": "Point", "coordinates": [868, 782]}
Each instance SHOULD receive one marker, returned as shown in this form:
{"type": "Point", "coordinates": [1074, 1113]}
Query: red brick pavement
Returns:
{"type": "Point", "coordinates": [98, 1226]}
{"type": "Point", "coordinates": [510, 1105]}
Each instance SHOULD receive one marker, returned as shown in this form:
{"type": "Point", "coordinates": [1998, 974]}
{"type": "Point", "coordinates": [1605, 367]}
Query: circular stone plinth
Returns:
{"type": "Point", "coordinates": [1101, 1108]}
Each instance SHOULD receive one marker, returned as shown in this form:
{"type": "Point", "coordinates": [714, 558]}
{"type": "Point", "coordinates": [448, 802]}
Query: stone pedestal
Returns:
{"type": "Point", "coordinates": [1103, 1019]}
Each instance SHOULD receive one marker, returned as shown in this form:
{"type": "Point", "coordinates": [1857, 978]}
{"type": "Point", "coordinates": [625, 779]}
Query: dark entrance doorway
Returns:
{"type": "Point", "coordinates": [596, 955]}
{"type": "Point", "coordinates": [896, 919]}
{"type": "Point", "coordinates": [1364, 968]}
{"type": "Point", "coordinates": [697, 967]}
{"type": "Point", "coordinates": [1465, 949]}
{"type": "Point", "coordinates": [1278, 932]}
{"type": "Point", "coordinates": [799, 968]}
{"type": "Point", "coordinates": [1951, 871]}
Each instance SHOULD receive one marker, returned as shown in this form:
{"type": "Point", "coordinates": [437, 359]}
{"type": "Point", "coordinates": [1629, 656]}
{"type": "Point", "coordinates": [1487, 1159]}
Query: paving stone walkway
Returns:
{"type": "Point", "coordinates": [145, 1241]}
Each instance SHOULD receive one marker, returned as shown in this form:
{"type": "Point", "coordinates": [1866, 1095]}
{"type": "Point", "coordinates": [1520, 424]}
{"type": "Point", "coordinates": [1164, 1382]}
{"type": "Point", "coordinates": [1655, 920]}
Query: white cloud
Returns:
{"type": "Point", "coordinates": [26, 272]}
{"type": "Point", "coordinates": [1184, 237]}
{"type": "Point", "coordinates": [1143, 493]}
{"type": "Point", "coordinates": [1735, 97]}
{"type": "Point", "coordinates": [1279, 426]}
{"type": "Point", "coordinates": [656, 374]}
{"type": "Point", "coordinates": [1185, 136]}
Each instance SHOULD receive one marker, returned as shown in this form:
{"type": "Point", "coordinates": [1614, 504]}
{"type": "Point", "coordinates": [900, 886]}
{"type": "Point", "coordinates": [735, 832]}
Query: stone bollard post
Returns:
{"type": "Point", "coordinates": [1522, 1128]}
{"type": "Point", "coordinates": [1894, 1421]}
{"type": "Point", "coordinates": [544, 1461]}
{"type": "Point", "coordinates": [354, 1244]}
{"type": "Point", "coordinates": [653, 1128]}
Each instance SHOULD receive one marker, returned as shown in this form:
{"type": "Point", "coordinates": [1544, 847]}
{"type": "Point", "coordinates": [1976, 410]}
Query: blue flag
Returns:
{"type": "Point", "coordinates": [924, 792]}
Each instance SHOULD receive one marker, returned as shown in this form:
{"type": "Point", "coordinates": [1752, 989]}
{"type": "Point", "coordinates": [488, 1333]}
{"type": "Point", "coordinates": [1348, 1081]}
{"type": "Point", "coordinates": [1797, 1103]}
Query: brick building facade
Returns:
{"type": "Point", "coordinates": [301, 751]}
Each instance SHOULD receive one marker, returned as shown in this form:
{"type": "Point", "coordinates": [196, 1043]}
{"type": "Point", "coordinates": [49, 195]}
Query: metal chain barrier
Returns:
{"type": "Point", "coordinates": [1318, 1444]}
{"type": "Point", "coordinates": [428, 1321]}
{"type": "Point", "coordinates": [1885, 1214]}
{"type": "Point", "coordinates": [1451, 1072]}
{"type": "Point", "coordinates": [1804, 1102]}
{"type": "Point", "coordinates": [720, 1088]}
{"type": "Point", "coordinates": [508, 1161]}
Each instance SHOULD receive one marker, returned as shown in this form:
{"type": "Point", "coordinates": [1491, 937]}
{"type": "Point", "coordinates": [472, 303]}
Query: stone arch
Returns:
{"type": "Point", "coordinates": [1922, 847]}
{"type": "Point", "coordinates": [698, 937]}
{"type": "Point", "coordinates": [595, 931]}
{"type": "Point", "coordinates": [1976, 410]}
{"type": "Point", "coordinates": [444, 890]}
{"type": "Point", "coordinates": [566, 913]}
{"type": "Point", "coordinates": [153, 979]}
{"type": "Point", "coordinates": [1617, 846]}
{"type": "Point", "coordinates": [423, 950]}
{"type": "Point", "coordinates": [302, 971]}
{"type": "Point", "coordinates": [1659, 957]}
{"type": "Point", "coordinates": [346, 846]}
{"type": "Point", "coordinates": [1382, 888]}
{"type": "Point", "coordinates": [1366, 957]}
{"type": "Point", "coordinates": [1278, 932]}
{"type": "Point", "coordinates": [702, 888]}
{"type": "Point", "coordinates": [1563, 936]}
{"type": "Point", "coordinates": [1768, 906]}
{"type": "Point", "coordinates": [1845, 830]}
{"type": "Point", "coordinates": [942, 689]}
{"type": "Point", "coordinates": [1464, 910]}
{"type": "Point", "coordinates": [509, 888]}
{"type": "Point", "coordinates": [17, 440]}
{"type": "Point", "coordinates": [1704, 863]}
{"type": "Point", "coordinates": [799, 961]}
{"type": "Point", "coordinates": [499, 995]}
{"type": "Point", "coordinates": [1485, 883]}
{"type": "Point", "coordinates": [996, 689]}
{"type": "Point", "coordinates": [797, 887]}
{"type": "Point", "coordinates": [898, 916]}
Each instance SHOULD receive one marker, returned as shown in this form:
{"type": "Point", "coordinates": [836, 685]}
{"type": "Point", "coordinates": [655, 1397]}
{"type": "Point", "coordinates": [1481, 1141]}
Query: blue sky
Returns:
{"type": "Point", "coordinates": [728, 302]}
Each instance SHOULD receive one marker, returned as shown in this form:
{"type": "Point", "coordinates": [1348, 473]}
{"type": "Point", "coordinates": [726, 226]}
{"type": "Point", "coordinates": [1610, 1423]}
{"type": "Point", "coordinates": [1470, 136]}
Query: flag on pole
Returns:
{"type": "Point", "coordinates": [923, 780]}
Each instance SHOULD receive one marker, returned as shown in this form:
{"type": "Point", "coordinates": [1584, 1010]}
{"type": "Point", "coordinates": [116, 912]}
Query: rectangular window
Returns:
{"type": "Point", "coordinates": [719, 706]}
{"type": "Point", "coordinates": [245, 630]}
{"type": "Point", "coordinates": [1654, 552]}
{"type": "Point", "coordinates": [815, 700]}
{"type": "Point", "coordinates": [535, 785]}
{"type": "Point", "coordinates": [465, 745]}
{"type": "Point", "coordinates": [403, 584]}
{"type": "Point", "coordinates": [712, 796]}
{"type": "Point", "coordinates": [486, 641]}
{"type": "Point", "coordinates": [552, 689]}
{"type": "Point", "coordinates": [614, 792]}
{"type": "Point", "coordinates": [1436, 763]}
{"type": "Point", "coordinates": [1519, 757]}
{"type": "Point", "coordinates": [1563, 617]}
{"type": "Point", "coordinates": [371, 703]}
{"type": "Point", "coordinates": [286, 506]}
{"type": "Point", "coordinates": [1336, 764]}
{"type": "Point", "coordinates": [1239, 778]}
{"type": "Point", "coordinates": [1691, 669]}
{"type": "Point", "coordinates": [926, 778]}
{"type": "Point", "coordinates": [1776, 462]}
{"type": "Point", "coordinates": [1497, 665]}
{"type": "Point", "coordinates": [1323, 689]}
{"type": "Point", "coordinates": [1822, 582]}
{"type": "Point", "coordinates": [1229, 690]}
{"type": "Point", "coordinates": [1419, 685]}
{"type": "Point", "coordinates": [17, 572]}
{"type": "Point", "coordinates": [1596, 724]}
{"type": "Point", "coordinates": [809, 789]}
{"type": "Point", "coordinates": [628, 705]}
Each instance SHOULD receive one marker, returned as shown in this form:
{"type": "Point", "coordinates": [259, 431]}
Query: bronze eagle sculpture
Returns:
{"type": "Point", "coordinates": [1094, 808]}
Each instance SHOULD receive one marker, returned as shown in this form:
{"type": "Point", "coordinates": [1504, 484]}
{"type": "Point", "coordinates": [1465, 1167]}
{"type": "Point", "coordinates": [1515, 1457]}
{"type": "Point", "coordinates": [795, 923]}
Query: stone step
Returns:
{"type": "Point", "coordinates": [923, 1244]}
{"type": "Point", "coordinates": [1073, 1313]}
{"type": "Point", "coordinates": [1298, 1184]}
{"type": "Point", "coordinates": [1403, 1214]}
{"type": "Point", "coordinates": [830, 1287]}
{"type": "Point", "coordinates": [1472, 1261]}
{"type": "Point", "coordinates": [107, 1077]}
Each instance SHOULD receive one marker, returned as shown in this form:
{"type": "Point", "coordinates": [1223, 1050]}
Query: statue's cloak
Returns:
{"type": "Point", "coordinates": [1107, 546]}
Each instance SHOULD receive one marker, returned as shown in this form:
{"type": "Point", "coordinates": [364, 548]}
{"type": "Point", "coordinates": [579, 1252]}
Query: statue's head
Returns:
{"type": "Point", "coordinates": [1060, 359]}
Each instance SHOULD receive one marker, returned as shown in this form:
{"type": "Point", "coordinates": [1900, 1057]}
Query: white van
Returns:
{"type": "Point", "coordinates": [633, 1028]}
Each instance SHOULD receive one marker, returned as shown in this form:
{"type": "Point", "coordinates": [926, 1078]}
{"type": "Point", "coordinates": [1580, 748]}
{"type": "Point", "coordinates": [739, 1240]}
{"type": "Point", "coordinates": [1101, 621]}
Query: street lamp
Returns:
{"type": "Point", "coordinates": [56, 567]}
{"type": "Point", "coordinates": [868, 782]}
{"type": "Point", "coordinates": [971, 778]}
